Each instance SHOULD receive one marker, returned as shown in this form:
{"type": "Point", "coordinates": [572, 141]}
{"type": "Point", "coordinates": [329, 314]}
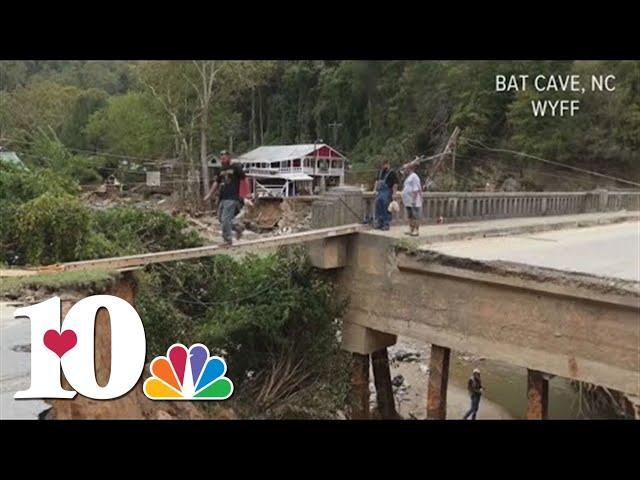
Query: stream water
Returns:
{"type": "Point", "coordinates": [506, 385]}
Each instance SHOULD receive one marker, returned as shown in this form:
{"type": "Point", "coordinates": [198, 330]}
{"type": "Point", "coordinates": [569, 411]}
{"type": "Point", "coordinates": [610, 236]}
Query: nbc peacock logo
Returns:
{"type": "Point", "coordinates": [188, 374]}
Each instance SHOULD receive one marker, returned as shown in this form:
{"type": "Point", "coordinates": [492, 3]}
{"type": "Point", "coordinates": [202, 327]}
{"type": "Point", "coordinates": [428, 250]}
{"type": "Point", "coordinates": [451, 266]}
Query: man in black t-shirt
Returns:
{"type": "Point", "coordinates": [228, 184]}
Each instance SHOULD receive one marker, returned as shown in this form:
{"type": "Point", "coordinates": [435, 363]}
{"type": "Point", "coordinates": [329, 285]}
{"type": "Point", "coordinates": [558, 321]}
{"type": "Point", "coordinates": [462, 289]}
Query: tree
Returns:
{"type": "Point", "coordinates": [37, 107]}
{"type": "Point", "coordinates": [132, 124]}
{"type": "Point", "coordinates": [165, 81]}
{"type": "Point", "coordinates": [214, 82]}
{"type": "Point", "coordinates": [190, 93]}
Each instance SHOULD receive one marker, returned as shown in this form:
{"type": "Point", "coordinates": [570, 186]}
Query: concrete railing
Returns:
{"type": "Point", "coordinates": [461, 206]}
{"type": "Point", "coordinates": [346, 204]}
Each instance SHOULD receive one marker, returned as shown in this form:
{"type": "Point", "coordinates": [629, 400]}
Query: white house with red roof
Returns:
{"type": "Point", "coordinates": [292, 170]}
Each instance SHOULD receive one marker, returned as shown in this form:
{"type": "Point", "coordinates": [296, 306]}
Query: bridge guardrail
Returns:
{"type": "Point", "coordinates": [463, 206]}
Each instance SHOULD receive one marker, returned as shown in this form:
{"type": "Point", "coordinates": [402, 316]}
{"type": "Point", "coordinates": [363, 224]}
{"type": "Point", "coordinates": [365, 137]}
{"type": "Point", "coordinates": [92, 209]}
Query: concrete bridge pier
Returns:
{"type": "Point", "coordinates": [438, 382]}
{"type": "Point", "coordinates": [537, 395]}
{"type": "Point", "coordinates": [365, 344]}
{"type": "Point", "coordinates": [359, 393]}
{"type": "Point", "coordinates": [384, 388]}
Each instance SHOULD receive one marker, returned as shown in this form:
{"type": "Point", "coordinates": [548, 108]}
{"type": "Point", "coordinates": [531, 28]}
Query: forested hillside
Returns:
{"type": "Point", "coordinates": [368, 109]}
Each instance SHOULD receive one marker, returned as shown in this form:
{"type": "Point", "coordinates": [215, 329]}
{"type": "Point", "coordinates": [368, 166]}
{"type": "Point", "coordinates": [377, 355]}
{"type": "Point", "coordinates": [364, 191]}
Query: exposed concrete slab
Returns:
{"type": "Point", "coordinates": [609, 251]}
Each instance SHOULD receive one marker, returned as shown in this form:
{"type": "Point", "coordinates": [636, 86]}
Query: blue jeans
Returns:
{"type": "Point", "coordinates": [475, 404]}
{"type": "Point", "coordinates": [383, 199]}
{"type": "Point", "coordinates": [227, 210]}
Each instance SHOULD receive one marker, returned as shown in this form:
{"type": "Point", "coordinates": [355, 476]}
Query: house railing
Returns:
{"type": "Point", "coordinates": [262, 191]}
{"type": "Point", "coordinates": [262, 171]}
{"type": "Point", "coordinates": [293, 169]}
{"type": "Point", "coordinates": [301, 169]}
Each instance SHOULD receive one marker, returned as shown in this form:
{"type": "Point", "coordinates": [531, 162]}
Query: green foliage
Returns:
{"type": "Point", "coordinates": [252, 310]}
{"type": "Point", "coordinates": [386, 109]}
{"type": "Point", "coordinates": [131, 124]}
{"type": "Point", "coordinates": [43, 222]}
{"type": "Point", "coordinates": [88, 102]}
{"type": "Point", "coordinates": [47, 150]}
{"type": "Point", "coordinates": [37, 107]}
{"type": "Point", "coordinates": [18, 185]}
{"type": "Point", "coordinates": [111, 76]}
{"type": "Point", "coordinates": [128, 230]}
{"type": "Point", "coordinates": [95, 280]}
{"type": "Point", "coordinates": [59, 228]}
{"type": "Point", "coordinates": [50, 229]}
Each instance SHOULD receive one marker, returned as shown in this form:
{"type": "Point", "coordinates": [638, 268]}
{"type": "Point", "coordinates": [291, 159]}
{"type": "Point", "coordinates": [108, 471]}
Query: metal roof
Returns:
{"type": "Point", "coordinates": [276, 153]}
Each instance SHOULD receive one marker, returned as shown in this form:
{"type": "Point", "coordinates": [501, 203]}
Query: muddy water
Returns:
{"type": "Point", "coordinates": [505, 387]}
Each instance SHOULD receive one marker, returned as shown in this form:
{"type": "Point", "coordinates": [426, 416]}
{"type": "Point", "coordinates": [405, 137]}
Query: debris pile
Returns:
{"type": "Point", "coordinates": [402, 355]}
{"type": "Point", "coordinates": [279, 217]}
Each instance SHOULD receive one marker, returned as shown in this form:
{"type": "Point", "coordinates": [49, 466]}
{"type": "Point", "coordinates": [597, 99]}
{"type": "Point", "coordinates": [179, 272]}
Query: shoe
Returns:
{"type": "Point", "coordinates": [226, 244]}
{"type": "Point", "coordinates": [238, 234]}
{"type": "Point", "coordinates": [384, 228]}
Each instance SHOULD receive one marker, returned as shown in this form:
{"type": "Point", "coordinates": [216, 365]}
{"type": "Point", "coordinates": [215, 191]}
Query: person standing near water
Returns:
{"type": "Point", "coordinates": [475, 391]}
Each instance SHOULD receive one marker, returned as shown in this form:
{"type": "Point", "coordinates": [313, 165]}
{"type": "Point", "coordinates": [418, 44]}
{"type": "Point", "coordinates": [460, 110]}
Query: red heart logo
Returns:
{"type": "Point", "coordinates": [60, 343]}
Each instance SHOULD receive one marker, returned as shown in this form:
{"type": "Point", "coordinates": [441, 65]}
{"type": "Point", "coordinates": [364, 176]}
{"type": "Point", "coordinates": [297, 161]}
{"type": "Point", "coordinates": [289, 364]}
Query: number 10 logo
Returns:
{"type": "Point", "coordinates": [71, 348]}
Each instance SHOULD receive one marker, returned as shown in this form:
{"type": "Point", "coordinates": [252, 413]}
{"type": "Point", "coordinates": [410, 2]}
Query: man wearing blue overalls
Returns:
{"type": "Point", "coordinates": [385, 186]}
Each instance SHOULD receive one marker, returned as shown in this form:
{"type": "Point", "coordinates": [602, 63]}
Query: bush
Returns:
{"type": "Point", "coordinates": [273, 318]}
{"type": "Point", "coordinates": [129, 230]}
{"type": "Point", "coordinates": [57, 227]}
{"type": "Point", "coordinates": [19, 186]}
{"type": "Point", "coordinates": [49, 229]}
{"type": "Point", "coordinates": [50, 152]}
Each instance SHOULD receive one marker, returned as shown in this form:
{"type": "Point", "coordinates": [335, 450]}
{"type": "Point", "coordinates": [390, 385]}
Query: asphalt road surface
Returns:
{"type": "Point", "coordinates": [15, 358]}
{"type": "Point", "coordinates": [609, 250]}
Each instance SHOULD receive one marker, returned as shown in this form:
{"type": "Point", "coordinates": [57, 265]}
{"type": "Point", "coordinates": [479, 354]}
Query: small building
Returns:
{"type": "Point", "coordinates": [292, 170]}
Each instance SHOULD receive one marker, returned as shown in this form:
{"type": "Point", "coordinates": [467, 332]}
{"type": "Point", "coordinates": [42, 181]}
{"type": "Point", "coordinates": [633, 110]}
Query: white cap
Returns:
{"type": "Point", "coordinates": [476, 370]}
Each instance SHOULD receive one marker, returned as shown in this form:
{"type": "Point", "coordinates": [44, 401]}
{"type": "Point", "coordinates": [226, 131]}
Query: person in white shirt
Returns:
{"type": "Point", "coordinates": [412, 199]}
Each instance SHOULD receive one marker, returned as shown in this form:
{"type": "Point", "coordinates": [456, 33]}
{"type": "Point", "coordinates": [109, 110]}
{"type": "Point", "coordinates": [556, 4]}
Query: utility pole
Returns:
{"type": "Point", "coordinates": [449, 149]}
{"type": "Point", "coordinates": [334, 126]}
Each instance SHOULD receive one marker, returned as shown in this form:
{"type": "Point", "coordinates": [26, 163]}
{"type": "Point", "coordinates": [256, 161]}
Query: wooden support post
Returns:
{"type": "Point", "coordinates": [359, 394]}
{"type": "Point", "coordinates": [537, 395]}
{"type": "Point", "coordinates": [382, 379]}
{"type": "Point", "coordinates": [438, 381]}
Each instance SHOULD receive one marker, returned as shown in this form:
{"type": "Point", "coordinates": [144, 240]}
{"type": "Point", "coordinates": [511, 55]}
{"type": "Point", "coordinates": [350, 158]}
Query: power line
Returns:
{"type": "Point", "coordinates": [103, 153]}
{"type": "Point", "coordinates": [514, 170]}
{"type": "Point", "coordinates": [479, 144]}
